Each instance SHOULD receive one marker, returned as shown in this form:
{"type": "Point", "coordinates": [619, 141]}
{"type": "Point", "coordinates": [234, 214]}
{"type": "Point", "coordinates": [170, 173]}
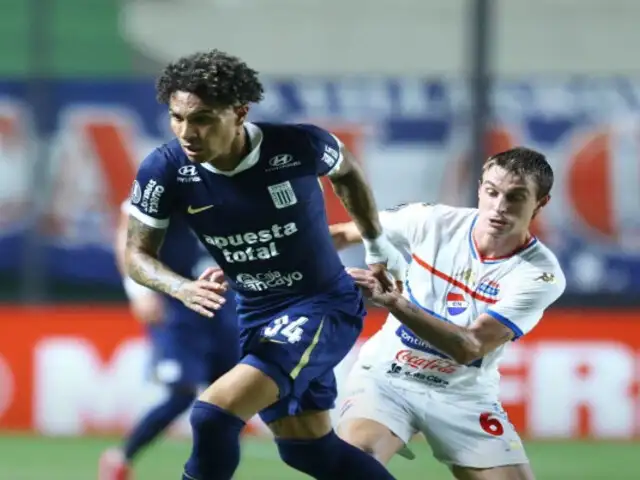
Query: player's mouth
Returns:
{"type": "Point", "coordinates": [498, 223]}
{"type": "Point", "coordinates": [192, 150]}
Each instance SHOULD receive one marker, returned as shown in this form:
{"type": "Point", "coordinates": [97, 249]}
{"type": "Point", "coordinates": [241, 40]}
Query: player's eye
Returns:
{"type": "Point", "coordinates": [518, 197]}
{"type": "Point", "coordinates": [202, 120]}
{"type": "Point", "coordinates": [175, 117]}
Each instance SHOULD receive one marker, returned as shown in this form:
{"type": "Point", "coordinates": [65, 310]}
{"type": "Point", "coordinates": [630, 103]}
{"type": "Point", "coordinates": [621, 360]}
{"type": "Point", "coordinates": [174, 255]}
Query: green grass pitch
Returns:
{"type": "Point", "coordinates": [40, 458]}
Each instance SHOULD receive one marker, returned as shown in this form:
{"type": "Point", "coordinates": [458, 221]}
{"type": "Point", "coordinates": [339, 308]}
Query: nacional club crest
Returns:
{"type": "Point", "coordinates": [456, 303]}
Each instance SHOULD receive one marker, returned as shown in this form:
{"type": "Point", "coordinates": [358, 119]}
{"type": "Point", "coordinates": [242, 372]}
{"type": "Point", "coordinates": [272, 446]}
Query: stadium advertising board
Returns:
{"type": "Point", "coordinates": [411, 134]}
{"type": "Point", "coordinates": [78, 370]}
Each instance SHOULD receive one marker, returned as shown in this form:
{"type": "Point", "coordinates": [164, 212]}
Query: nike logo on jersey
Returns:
{"type": "Point", "coordinates": [193, 211]}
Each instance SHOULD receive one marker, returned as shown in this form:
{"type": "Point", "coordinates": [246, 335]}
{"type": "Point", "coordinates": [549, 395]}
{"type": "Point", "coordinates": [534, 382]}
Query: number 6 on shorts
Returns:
{"type": "Point", "coordinates": [491, 424]}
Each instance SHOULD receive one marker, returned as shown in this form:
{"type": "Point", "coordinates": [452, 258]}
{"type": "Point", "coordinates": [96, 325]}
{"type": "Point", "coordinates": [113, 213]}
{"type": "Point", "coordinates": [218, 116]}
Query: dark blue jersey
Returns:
{"type": "Point", "coordinates": [183, 253]}
{"type": "Point", "coordinates": [264, 223]}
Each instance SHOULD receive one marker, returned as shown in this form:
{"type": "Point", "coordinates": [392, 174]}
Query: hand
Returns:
{"type": "Point", "coordinates": [204, 295]}
{"type": "Point", "coordinates": [372, 288]}
{"type": "Point", "coordinates": [216, 275]}
{"type": "Point", "coordinates": [389, 273]}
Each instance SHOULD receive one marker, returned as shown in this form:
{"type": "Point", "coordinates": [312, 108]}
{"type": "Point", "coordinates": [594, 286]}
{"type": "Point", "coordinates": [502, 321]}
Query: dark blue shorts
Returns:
{"type": "Point", "coordinates": [300, 347]}
{"type": "Point", "coordinates": [190, 357]}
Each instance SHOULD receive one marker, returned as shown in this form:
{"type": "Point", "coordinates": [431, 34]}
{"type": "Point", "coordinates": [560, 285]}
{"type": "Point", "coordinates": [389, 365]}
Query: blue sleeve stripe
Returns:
{"type": "Point", "coordinates": [517, 333]}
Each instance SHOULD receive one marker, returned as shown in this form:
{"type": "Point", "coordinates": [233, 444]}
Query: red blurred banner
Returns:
{"type": "Point", "coordinates": [75, 370]}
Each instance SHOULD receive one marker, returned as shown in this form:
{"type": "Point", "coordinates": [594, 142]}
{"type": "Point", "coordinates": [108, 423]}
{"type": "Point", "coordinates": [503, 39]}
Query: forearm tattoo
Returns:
{"type": "Point", "coordinates": [142, 264]}
{"type": "Point", "coordinates": [356, 196]}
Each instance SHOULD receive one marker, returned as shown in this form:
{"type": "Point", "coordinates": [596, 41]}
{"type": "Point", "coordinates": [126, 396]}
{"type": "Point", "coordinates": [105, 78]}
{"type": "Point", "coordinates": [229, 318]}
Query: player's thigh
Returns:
{"type": "Point", "coordinates": [374, 416]}
{"type": "Point", "coordinates": [314, 421]}
{"type": "Point", "coordinates": [509, 472]}
{"type": "Point", "coordinates": [372, 437]}
{"type": "Point", "coordinates": [309, 424]}
{"type": "Point", "coordinates": [244, 391]}
{"type": "Point", "coordinates": [281, 359]}
{"type": "Point", "coordinates": [304, 415]}
{"type": "Point", "coordinates": [470, 434]}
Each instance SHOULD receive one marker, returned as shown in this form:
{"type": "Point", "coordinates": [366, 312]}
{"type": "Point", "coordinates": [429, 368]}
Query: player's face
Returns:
{"type": "Point", "coordinates": [205, 132]}
{"type": "Point", "coordinates": [507, 202]}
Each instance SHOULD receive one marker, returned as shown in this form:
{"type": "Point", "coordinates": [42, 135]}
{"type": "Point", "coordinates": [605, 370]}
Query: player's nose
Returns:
{"type": "Point", "coordinates": [501, 205]}
{"type": "Point", "coordinates": [188, 133]}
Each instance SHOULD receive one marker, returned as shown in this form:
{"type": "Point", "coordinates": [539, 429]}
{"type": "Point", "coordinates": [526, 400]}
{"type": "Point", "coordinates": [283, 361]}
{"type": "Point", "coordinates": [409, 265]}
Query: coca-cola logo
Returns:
{"type": "Point", "coordinates": [435, 364]}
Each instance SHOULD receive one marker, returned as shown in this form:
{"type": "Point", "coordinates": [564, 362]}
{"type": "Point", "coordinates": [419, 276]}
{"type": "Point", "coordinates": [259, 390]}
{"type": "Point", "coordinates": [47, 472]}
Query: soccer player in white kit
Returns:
{"type": "Point", "coordinates": [477, 280]}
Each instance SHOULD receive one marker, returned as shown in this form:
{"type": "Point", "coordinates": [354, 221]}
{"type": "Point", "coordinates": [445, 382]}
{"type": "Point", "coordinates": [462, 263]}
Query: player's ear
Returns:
{"type": "Point", "coordinates": [241, 114]}
{"type": "Point", "coordinates": [541, 203]}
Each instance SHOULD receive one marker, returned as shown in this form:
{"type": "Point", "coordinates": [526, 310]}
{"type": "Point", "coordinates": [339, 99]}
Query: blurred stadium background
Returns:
{"type": "Point", "coordinates": [421, 90]}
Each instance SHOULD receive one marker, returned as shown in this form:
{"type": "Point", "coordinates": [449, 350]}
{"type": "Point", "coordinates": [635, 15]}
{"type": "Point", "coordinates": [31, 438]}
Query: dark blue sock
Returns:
{"type": "Point", "coordinates": [330, 458]}
{"type": "Point", "coordinates": [156, 421]}
{"type": "Point", "coordinates": [215, 453]}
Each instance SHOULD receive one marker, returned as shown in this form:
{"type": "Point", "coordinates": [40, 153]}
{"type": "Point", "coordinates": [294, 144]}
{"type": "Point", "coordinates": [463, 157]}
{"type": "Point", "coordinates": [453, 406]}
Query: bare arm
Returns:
{"type": "Point", "coordinates": [141, 259]}
{"type": "Point", "coordinates": [352, 188]}
{"type": "Point", "coordinates": [463, 344]}
{"type": "Point", "coordinates": [345, 234]}
{"type": "Point", "coordinates": [120, 242]}
{"type": "Point", "coordinates": [145, 304]}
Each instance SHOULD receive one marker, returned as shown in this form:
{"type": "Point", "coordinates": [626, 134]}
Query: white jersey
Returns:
{"type": "Point", "coordinates": [450, 280]}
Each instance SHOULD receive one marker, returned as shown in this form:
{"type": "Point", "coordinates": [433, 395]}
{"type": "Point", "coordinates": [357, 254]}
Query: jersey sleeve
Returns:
{"type": "Point", "coordinates": [153, 190]}
{"type": "Point", "coordinates": [525, 297]}
{"type": "Point", "coordinates": [326, 149]}
{"type": "Point", "coordinates": [406, 224]}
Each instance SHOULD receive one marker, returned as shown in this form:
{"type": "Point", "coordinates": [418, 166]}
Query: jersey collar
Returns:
{"type": "Point", "coordinates": [255, 137]}
{"type": "Point", "coordinates": [478, 256]}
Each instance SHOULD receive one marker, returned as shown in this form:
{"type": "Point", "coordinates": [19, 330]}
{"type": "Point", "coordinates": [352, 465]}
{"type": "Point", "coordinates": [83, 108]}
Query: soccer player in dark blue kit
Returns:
{"type": "Point", "coordinates": [250, 191]}
{"type": "Point", "coordinates": [189, 351]}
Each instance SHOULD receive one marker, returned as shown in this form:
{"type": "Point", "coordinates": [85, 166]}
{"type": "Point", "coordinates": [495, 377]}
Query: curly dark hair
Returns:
{"type": "Point", "coordinates": [216, 77]}
{"type": "Point", "coordinates": [525, 162]}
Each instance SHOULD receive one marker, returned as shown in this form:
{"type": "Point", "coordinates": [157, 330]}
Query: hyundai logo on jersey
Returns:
{"type": "Point", "coordinates": [456, 303]}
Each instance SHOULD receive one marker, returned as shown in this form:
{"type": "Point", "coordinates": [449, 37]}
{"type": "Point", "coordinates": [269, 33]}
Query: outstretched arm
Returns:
{"type": "Point", "coordinates": [351, 186]}
{"type": "Point", "coordinates": [349, 183]}
{"type": "Point", "coordinates": [463, 344]}
{"type": "Point", "coordinates": [345, 234]}
{"type": "Point", "coordinates": [405, 226]}
{"type": "Point", "coordinates": [527, 295]}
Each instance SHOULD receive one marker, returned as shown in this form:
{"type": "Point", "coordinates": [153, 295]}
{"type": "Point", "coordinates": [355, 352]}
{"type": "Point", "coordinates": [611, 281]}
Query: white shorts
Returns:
{"type": "Point", "coordinates": [467, 433]}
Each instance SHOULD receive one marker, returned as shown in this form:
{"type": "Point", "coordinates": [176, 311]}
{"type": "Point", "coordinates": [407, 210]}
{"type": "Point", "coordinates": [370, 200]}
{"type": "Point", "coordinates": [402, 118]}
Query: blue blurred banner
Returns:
{"type": "Point", "coordinates": [412, 136]}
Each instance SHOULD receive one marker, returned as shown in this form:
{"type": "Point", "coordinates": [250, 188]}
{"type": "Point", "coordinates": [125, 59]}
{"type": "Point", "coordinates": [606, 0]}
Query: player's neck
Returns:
{"type": "Point", "coordinates": [240, 148]}
{"type": "Point", "coordinates": [492, 246]}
